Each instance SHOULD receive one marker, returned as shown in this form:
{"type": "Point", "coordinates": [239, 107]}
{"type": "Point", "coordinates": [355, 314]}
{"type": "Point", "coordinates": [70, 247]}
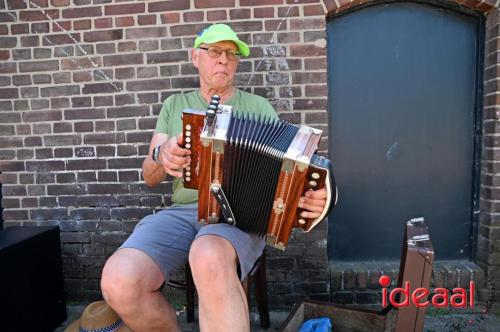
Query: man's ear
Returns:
{"type": "Point", "coordinates": [194, 57]}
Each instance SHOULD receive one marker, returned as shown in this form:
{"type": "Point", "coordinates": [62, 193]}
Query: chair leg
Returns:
{"type": "Point", "coordinates": [261, 294]}
{"type": "Point", "coordinates": [189, 296]}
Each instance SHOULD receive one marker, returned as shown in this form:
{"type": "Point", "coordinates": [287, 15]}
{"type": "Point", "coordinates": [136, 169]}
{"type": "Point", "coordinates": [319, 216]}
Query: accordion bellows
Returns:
{"type": "Point", "coordinates": [251, 171]}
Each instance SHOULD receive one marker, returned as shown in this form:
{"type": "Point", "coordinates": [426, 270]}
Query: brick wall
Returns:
{"type": "Point", "coordinates": [488, 233]}
{"type": "Point", "coordinates": [81, 84]}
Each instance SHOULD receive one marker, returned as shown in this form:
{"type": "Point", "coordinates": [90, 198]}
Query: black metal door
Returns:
{"type": "Point", "coordinates": [403, 85]}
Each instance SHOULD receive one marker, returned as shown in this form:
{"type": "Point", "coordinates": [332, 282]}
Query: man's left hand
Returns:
{"type": "Point", "coordinates": [313, 202]}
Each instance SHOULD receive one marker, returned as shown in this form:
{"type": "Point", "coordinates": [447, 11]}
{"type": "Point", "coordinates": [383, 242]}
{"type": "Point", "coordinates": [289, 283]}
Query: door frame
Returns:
{"type": "Point", "coordinates": [478, 102]}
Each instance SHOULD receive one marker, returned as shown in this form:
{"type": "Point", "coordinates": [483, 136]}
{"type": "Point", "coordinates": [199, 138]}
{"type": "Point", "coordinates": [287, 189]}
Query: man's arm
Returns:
{"type": "Point", "coordinates": [172, 159]}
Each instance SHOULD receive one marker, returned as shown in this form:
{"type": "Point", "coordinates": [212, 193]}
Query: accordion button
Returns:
{"type": "Point", "coordinates": [188, 173]}
{"type": "Point", "coordinates": [188, 179]}
{"type": "Point", "coordinates": [188, 139]}
{"type": "Point", "coordinates": [188, 133]}
{"type": "Point", "coordinates": [313, 183]}
{"type": "Point", "coordinates": [188, 146]}
{"type": "Point", "coordinates": [188, 168]}
{"type": "Point", "coordinates": [188, 127]}
{"type": "Point", "coordinates": [302, 221]}
{"type": "Point", "coordinates": [315, 176]}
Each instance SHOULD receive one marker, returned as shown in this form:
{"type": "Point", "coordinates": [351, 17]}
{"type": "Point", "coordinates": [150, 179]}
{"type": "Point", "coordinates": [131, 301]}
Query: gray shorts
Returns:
{"type": "Point", "coordinates": [166, 237]}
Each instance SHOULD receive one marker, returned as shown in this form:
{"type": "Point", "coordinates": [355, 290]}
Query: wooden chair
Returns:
{"type": "Point", "coordinates": [257, 276]}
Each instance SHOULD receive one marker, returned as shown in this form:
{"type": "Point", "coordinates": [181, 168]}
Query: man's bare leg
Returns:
{"type": "Point", "coordinates": [222, 301]}
{"type": "Point", "coordinates": [130, 285]}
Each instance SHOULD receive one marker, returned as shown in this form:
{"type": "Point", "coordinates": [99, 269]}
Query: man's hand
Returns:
{"type": "Point", "coordinates": [314, 202]}
{"type": "Point", "coordinates": [173, 157]}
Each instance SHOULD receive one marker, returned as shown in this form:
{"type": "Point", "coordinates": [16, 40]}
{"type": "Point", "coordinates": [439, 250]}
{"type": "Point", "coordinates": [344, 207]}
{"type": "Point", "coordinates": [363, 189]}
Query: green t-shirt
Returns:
{"type": "Point", "coordinates": [170, 123]}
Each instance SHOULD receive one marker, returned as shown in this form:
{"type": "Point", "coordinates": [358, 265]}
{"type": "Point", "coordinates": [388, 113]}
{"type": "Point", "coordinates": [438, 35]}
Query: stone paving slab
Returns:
{"type": "Point", "coordinates": [435, 321]}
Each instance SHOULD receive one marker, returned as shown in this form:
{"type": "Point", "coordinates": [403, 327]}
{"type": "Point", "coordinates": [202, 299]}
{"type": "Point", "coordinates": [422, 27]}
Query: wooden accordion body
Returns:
{"type": "Point", "coordinates": [251, 172]}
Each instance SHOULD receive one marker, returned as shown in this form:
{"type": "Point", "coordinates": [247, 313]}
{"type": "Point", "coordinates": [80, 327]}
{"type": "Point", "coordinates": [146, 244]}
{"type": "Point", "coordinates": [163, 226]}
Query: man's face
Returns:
{"type": "Point", "coordinates": [216, 72]}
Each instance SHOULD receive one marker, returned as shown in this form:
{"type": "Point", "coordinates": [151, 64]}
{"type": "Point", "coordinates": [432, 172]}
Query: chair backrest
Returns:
{"type": "Point", "coordinates": [417, 260]}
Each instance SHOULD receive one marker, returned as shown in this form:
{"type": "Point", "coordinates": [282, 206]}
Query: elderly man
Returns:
{"type": "Point", "coordinates": [220, 255]}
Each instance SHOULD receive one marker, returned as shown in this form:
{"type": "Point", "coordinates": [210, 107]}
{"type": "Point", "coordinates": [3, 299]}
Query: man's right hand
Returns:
{"type": "Point", "coordinates": [173, 157]}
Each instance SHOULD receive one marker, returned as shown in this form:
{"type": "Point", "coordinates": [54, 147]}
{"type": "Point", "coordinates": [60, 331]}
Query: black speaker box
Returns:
{"type": "Point", "coordinates": [31, 279]}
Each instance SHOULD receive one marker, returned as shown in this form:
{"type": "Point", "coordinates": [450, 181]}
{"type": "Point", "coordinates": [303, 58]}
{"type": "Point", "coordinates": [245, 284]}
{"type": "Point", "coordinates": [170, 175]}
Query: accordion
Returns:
{"type": "Point", "coordinates": [250, 171]}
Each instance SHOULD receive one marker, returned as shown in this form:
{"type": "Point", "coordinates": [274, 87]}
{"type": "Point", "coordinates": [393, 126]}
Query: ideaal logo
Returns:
{"type": "Point", "coordinates": [419, 296]}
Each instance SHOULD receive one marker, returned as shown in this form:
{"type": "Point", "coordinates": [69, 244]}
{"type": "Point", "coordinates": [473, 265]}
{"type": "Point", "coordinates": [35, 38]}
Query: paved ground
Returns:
{"type": "Point", "coordinates": [436, 321]}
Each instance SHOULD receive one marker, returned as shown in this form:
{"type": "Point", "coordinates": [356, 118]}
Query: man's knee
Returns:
{"type": "Point", "coordinates": [126, 275]}
{"type": "Point", "coordinates": [212, 257]}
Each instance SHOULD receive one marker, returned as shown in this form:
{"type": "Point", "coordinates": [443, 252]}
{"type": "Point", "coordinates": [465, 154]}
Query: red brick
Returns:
{"type": "Point", "coordinates": [158, 84]}
{"type": "Point", "coordinates": [307, 50]}
{"type": "Point", "coordinates": [484, 6]}
{"type": "Point", "coordinates": [81, 12]}
{"type": "Point", "coordinates": [7, 67]}
{"type": "Point", "coordinates": [301, 1]}
{"type": "Point", "coordinates": [260, 2]}
{"type": "Point", "coordinates": [127, 46]}
{"type": "Point", "coordinates": [16, 4]}
{"type": "Point", "coordinates": [309, 104]}
{"type": "Point", "coordinates": [128, 9]}
{"type": "Point", "coordinates": [82, 25]}
{"type": "Point", "coordinates": [146, 19]}
{"type": "Point", "coordinates": [61, 39]}
{"type": "Point", "coordinates": [235, 14]}
{"type": "Point", "coordinates": [119, 60]}
{"type": "Point", "coordinates": [48, 65]}
{"type": "Point", "coordinates": [84, 113]}
{"type": "Point", "coordinates": [193, 16]}
{"type": "Point", "coordinates": [106, 48]}
{"type": "Point", "coordinates": [102, 23]}
{"type": "Point", "coordinates": [307, 24]}
{"type": "Point", "coordinates": [187, 29]}
{"type": "Point", "coordinates": [17, 29]}
{"type": "Point", "coordinates": [139, 33]}
{"type": "Point", "coordinates": [30, 41]}
{"type": "Point", "coordinates": [245, 26]}
{"type": "Point", "coordinates": [330, 5]}
{"type": "Point", "coordinates": [8, 17]}
{"type": "Point", "coordinates": [170, 18]}
{"type": "Point", "coordinates": [79, 63]}
{"type": "Point", "coordinates": [38, 15]}
{"type": "Point", "coordinates": [288, 37]}
{"type": "Point", "coordinates": [288, 11]}
{"type": "Point", "coordinates": [42, 116]}
{"type": "Point", "coordinates": [216, 15]}
{"type": "Point", "coordinates": [82, 76]}
{"type": "Point", "coordinates": [125, 21]}
{"type": "Point", "coordinates": [38, 3]}
{"type": "Point", "coordinates": [4, 29]}
{"type": "Point", "coordinates": [9, 93]}
{"type": "Point", "coordinates": [8, 42]}
{"type": "Point", "coordinates": [161, 6]}
{"type": "Point", "coordinates": [313, 10]}
{"type": "Point", "coordinates": [103, 35]}
{"type": "Point", "coordinates": [213, 4]}
{"type": "Point", "coordinates": [41, 27]}
{"type": "Point", "coordinates": [315, 63]}
{"type": "Point", "coordinates": [275, 25]}
{"type": "Point", "coordinates": [308, 77]}
{"type": "Point", "coordinates": [4, 55]}
{"type": "Point", "coordinates": [171, 56]}
{"type": "Point", "coordinates": [61, 26]}
{"type": "Point", "coordinates": [263, 12]}
{"type": "Point", "coordinates": [59, 3]}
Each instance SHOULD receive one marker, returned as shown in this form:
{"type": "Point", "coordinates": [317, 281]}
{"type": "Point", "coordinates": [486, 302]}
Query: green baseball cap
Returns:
{"type": "Point", "coordinates": [220, 32]}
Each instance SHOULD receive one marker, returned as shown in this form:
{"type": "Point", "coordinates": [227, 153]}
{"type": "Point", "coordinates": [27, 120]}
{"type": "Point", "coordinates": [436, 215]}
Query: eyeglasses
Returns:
{"type": "Point", "coordinates": [215, 52]}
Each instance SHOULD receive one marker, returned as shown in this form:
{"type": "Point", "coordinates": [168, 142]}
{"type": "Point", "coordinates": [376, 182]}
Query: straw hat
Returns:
{"type": "Point", "coordinates": [98, 317]}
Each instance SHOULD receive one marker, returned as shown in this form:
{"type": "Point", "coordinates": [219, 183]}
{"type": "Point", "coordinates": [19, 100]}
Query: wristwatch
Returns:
{"type": "Point", "coordinates": [156, 154]}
